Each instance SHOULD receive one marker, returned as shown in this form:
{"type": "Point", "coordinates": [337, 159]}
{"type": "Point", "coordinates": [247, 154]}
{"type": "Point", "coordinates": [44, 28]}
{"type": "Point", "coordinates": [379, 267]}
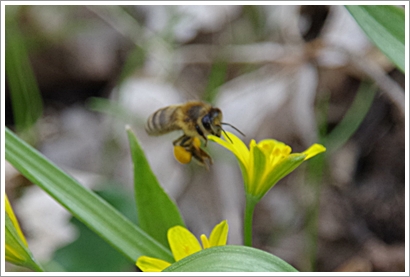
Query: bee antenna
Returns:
{"type": "Point", "coordinates": [227, 135]}
{"type": "Point", "coordinates": [224, 123]}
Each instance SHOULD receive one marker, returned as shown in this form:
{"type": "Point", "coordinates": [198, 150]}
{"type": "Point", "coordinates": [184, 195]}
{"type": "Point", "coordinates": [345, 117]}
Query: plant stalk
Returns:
{"type": "Point", "coordinates": [249, 208]}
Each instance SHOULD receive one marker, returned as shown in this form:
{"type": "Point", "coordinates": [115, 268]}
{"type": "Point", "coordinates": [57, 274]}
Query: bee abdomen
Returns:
{"type": "Point", "coordinates": [161, 121]}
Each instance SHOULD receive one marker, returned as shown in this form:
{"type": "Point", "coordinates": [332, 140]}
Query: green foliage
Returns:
{"type": "Point", "coordinates": [17, 251]}
{"type": "Point", "coordinates": [257, 18]}
{"type": "Point", "coordinates": [353, 117]}
{"type": "Point", "coordinates": [135, 60]}
{"type": "Point", "coordinates": [108, 107]}
{"type": "Point", "coordinates": [156, 211]}
{"type": "Point", "coordinates": [215, 80]}
{"type": "Point", "coordinates": [384, 25]}
{"type": "Point", "coordinates": [24, 92]}
{"type": "Point", "coordinates": [333, 141]}
{"type": "Point", "coordinates": [90, 253]}
{"type": "Point", "coordinates": [231, 258]}
{"type": "Point", "coordinates": [85, 205]}
{"type": "Point", "coordinates": [112, 226]}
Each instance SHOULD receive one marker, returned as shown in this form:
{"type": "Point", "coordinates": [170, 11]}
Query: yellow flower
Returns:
{"type": "Point", "coordinates": [17, 251]}
{"type": "Point", "coordinates": [266, 162]}
{"type": "Point", "coordinates": [183, 243]}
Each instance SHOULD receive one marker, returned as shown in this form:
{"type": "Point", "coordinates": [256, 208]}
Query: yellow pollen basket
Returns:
{"type": "Point", "coordinates": [184, 156]}
{"type": "Point", "coordinates": [181, 155]}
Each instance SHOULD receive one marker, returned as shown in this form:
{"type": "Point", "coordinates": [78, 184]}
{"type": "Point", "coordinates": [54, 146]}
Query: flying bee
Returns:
{"type": "Point", "coordinates": [196, 119]}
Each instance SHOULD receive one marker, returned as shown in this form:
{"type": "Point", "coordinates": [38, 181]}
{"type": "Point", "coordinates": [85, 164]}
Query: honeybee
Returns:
{"type": "Point", "coordinates": [196, 119]}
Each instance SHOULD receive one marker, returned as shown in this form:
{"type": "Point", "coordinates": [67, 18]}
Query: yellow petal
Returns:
{"type": "Point", "coordinates": [281, 169]}
{"type": "Point", "coordinates": [181, 155]}
{"type": "Point", "coordinates": [219, 234]}
{"type": "Point", "coordinates": [182, 242]}
{"type": "Point", "coordinates": [205, 242]}
{"type": "Point", "coordinates": [15, 254]}
{"type": "Point", "coordinates": [148, 264]}
{"type": "Point", "coordinates": [237, 147]}
{"type": "Point", "coordinates": [17, 251]}
{"type": "Point", "coordinates": [267, 145]}
{"type": "Point", "coordinates": [276, 150]}
{"type": "Point", "coordinates": [314, 150]}
{"type": "Point", "coordinates": [10, 213]}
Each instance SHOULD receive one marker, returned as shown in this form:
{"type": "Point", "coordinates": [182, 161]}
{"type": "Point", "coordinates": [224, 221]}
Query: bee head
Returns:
{"type": "Point", "coordinates": [212, 122]}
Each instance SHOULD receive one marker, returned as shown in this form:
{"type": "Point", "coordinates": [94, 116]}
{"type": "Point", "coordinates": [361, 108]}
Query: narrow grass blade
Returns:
{"type": "Point", "coordinates": [24, 92]}
{"type": "Point", "coordinates": [352, 119]}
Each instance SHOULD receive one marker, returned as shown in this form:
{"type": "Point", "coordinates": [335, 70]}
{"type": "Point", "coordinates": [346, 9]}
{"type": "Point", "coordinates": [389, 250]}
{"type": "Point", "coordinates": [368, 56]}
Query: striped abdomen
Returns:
{"type": "Point", "coordinates": [162, 121]}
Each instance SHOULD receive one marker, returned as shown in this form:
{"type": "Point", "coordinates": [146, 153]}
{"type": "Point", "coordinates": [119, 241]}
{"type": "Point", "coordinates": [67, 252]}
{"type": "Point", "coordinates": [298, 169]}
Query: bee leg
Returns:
{"type": "Point", "coordinates": [186, 146]}
{"type": "Point", "coordinates": [201, 157]}
{"type": "Point", "coordinates": [199, 131]}
{"type": "Point", "coordinates": [183, 140]}
{"type": "Point", "coordinates": [205, 139]}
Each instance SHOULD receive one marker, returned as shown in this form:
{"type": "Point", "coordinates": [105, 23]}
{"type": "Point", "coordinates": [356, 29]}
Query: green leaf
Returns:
{"type": "Point", "coordinates": [352, 119]}
{"type": "Point", "coordinates": [156, 211]}
{"type": "Point", "coordinates": [74, 257]}
{"type": "Point", "coordinates": [109, 107]}
{"type": "Point", "coordinates": [282, 169]}
{"type": "Point", "coordinates": [17, 251]}
{"type": "Point", "coordinates": [85, 205]}
{"type": "Point", "coordinates": [24, 92]}
{"type": "Point", "coordinates": [134, 60]}
{"type": "Point", "coordinates": [216, 79]}
{"type": "Point", "coordinates": [259, 162]}
{"type": "Point", "coordinates": [231, 258]}
{"type": "Point", "coordinates": [384, 25]}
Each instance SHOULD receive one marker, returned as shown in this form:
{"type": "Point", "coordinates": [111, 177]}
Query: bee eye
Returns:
{"type": "Point", "coordinates": [206, 121]}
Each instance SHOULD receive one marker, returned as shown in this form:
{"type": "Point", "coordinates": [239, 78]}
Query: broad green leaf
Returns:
{"type": "Point", "coordinates": [156, 211]}
{"type": "Point", "coordinates": [85, 205]}
{"type": "Point", "coordinates": [231, 258]}
{"type": "Point", "coordinates": [384, 25]}
{"type": "Point", "coordinates": [75, 256]}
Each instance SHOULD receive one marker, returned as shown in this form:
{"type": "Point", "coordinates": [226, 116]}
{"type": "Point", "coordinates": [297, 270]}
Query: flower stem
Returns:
{"type": "Point", "coordinates": [247, 224]}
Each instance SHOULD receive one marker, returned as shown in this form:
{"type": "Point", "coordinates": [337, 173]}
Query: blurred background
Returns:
{"type": "Point", "coordinates": [77, 75]}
